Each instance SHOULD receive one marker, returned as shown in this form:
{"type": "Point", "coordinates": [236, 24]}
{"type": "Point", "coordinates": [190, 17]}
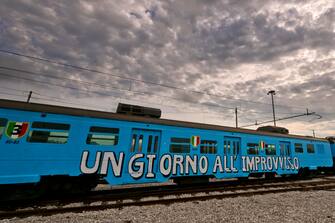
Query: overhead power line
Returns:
{"type": "Point", "coordinates": [6, 93]}
{"type": "Point", "coordinates": [284, 118]}
{"type": "Point", "coordinates": [13, 89]}
{"type": "Point", "coordinates": [102, 93]}
{"type": "Point", "coordinates": [106, 86]}
{"type": "Point", "coordinates": [49, 98]}
{"type": "Point", "coordinates": [59, 78]}
{"type": "Point", "coordinates": [131, 79]}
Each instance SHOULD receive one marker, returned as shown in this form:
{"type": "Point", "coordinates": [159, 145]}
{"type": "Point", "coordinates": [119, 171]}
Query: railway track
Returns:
{"type": "Point", "coordinates": [164, 195]}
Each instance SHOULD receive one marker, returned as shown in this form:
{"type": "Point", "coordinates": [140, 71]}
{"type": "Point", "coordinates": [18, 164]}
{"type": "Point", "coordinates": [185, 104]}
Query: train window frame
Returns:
{"type": "Point", "coordinates": [310, 148]}
{"type": "Point", "coordinates": [50, 125]}
{"type": "Point", "coordinates": [3, 124]}
{"type": "Point", "coordinates": [270, 150]}
{"type": "Point", "coordinates": [237, 147]}
{"type": "Point", "coordinates": [180, 145]}
{"type": "Point", "coordinates": [285, 150]}
{"type": "Point", "coordinates": [298, 148]}
{"type": "Point", "coordinates": [252, 147]}
{"type": "Point", "coordinates": [226, 147]}
{"type": "Point", "coordinates": [49, 132]}
{"type": "Point", "coordinates": [152, 145]}
{"type": "Point", "coordinates": [282, 149]}
{"type": "Point", "coordinates": [133, 143]}
{"type": "Point", "coordinates": [208, 146]}
{"type": "Point", "coordinates": [103, 136]}
{"type": "Point", "coordinates": [140, 143]}
{"type": "Point", "coordinates": [180, 140]}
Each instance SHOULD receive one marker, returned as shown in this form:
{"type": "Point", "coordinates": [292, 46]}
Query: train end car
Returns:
{"type": "Point", "coordinates": [331, 140]}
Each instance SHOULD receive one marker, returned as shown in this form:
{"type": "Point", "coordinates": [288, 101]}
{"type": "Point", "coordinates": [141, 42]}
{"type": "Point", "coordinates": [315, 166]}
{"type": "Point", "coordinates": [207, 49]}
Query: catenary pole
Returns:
{"type": "Point", "coordinates": [272, 92]}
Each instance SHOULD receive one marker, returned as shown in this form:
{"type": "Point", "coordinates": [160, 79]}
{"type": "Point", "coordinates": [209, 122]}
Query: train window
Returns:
{"type": "Point", "coordinates": [226, 147]}
{"type": "Point", "coordinates": [252, 149]}
{"type": "Point", "coordinates": [179, 148]}
{"type": "Point", "coordinates": [103, 136]}
{"type": "Point", "coordinates": [288, 151]}
{"type": "Point", "coordinates": [149, 144]}
{"type": "Point", "coordinates": [45, 132]}
{"type": "Point", "coordinates": [48, 137]}
{"type": "Point", "coordinates": [285, 150]}
{"type": "Point", "coordinates": [180, 145]}
{"type": "Point", "coordinates": [180, 140]}
{"type": "Point", "coordinates": [298, 148]}
{"type": "Point", "coordinates": [310, 148]}
{"type": "Point", "coordinates": [3, 123]}
{"type": "Point", "coordinates": [236, 147]}
{"type": "Point", "coordinates": [133, 143]}
{"type": "Point", "coordinates": [208, 146]}
{"type": "Point", "coordinates": [270, 149]}
{"type": "Point", "coordinates": [48, 125]}
{"type": "Point", "coordinates": [140, 143]}
{"type": "Point", "coordinates": [320, 149]}
{"type": "Point", "coordinates": [282, 149]}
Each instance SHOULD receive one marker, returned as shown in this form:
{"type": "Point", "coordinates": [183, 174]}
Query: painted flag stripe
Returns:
{"type": "Point", "coordinates": [23, 129]}
{"type": "Point", "coordinates": [10, 128]}
{"type": "Point", "coordinates": [262, 144]}
{"type": "Point", "coordinates": [195, 140]}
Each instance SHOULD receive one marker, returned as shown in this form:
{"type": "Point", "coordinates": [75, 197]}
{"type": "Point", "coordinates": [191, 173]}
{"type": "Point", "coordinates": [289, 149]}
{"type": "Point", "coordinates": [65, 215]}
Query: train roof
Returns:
{"type": "Point", "coordinates": [35, 107]}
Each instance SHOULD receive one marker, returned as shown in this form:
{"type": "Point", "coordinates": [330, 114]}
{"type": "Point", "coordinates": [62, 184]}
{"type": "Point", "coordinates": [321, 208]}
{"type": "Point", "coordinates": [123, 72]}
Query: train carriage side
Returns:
{"type": "Point", "coordinates": [331, 140]}
{"type": "Point", "coordinates": [287, 155]}
{"type": "Point", "coordinates": [38, 145]}
{"type": "Point", "coordinates": [239, 154]}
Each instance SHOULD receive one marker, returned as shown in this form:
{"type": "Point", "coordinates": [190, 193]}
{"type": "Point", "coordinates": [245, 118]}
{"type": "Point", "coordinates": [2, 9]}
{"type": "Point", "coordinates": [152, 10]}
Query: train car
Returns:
{"type": "Point", "coordinates": [331, 140]}
{"type": "Point", "coordinates": [69, 147]}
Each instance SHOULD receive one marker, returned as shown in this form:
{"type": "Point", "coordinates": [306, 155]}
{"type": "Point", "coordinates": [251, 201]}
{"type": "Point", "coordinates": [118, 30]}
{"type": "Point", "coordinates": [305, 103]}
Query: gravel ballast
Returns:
{"type": "Point", "coordinates": [318, 206]}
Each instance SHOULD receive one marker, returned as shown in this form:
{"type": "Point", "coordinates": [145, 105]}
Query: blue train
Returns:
{"type": "Point", "coordinates": [57, 146]}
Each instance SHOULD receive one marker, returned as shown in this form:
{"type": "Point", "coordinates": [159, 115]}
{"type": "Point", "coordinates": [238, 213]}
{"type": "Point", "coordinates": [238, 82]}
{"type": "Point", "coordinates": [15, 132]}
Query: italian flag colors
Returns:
{"type": "Point", "coordinates": [16, 130]}
{"type": "Point", "coordinates": [195, 141]}
{"type": "Point", "coordinates": [261, 145]}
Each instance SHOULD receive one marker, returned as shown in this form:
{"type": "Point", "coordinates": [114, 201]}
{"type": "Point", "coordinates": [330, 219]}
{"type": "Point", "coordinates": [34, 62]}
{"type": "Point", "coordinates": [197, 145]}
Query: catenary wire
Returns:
{"type": "Point", "coordinates": [101, 93]}
{"type": "Point", "coordinates": [131, 79]}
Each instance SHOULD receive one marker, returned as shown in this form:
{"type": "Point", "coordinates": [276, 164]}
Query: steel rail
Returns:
{"type": "Point", "coordinates": [158, 198]}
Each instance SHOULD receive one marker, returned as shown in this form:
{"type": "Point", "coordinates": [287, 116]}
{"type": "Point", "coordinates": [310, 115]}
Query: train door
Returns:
{"type": "Point", "coordinates": [285, 149]}
{"type": "Point", "coordinates": [232, 151]}
{"type": "Point", "coordinates": [146, 142]}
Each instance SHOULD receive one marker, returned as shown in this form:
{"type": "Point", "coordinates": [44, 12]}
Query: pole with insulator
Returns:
{"type": "Point", "coordinates": [272, 92]}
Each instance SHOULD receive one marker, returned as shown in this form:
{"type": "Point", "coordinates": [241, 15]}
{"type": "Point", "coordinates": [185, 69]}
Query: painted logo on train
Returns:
{"type": "Point", "coordinates": [16, 130]}
{"type": "Point", "coordinates": [141, 165]}
{"type": "Point", "coordinates": [195, 141]}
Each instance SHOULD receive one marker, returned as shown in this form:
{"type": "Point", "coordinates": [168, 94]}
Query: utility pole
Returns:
{"type": "Point", "coordinates": [236, 120]}
{"type": "Point", "coordinates": [29, 96]}
{"type": "Point", "coordinates": [313, 133]}
{"type": "Point", "coordinates": [272, 92]}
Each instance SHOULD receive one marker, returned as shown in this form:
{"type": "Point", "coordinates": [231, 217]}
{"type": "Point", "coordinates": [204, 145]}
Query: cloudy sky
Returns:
{"type": "Point", "coordinates": [196, 60]}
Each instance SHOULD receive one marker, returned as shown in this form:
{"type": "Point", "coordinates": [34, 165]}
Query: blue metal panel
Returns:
{"type": "Point", "coordinates": [332, 146]}
{"type": "Point", "coordinates": [23, 162]}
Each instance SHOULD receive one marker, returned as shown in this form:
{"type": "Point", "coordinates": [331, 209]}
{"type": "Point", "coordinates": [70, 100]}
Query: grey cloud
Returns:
{"type": "Point", "coordinates": [179, 43]}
